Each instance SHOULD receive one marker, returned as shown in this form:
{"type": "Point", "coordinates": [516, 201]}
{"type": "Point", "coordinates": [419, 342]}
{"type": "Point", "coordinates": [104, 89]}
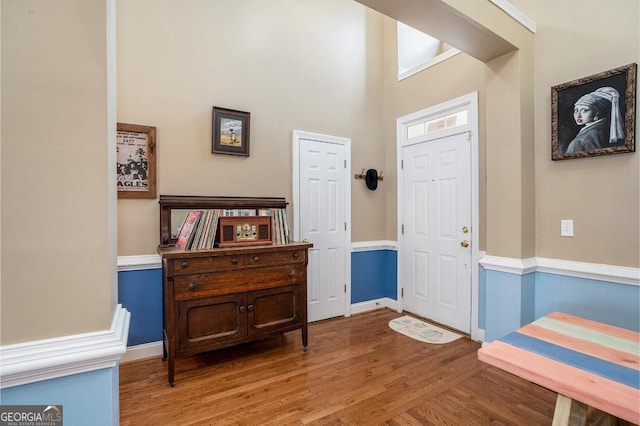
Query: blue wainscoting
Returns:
{"type": "Point", "coordinates": [482, 297]}
{"type": "Point", "coordinates": [509, 302]}
{"type": "Point", "coordinates": [373, 275]}
{"type": "Point", "coordinates": [140, 292]}
{"type": "Point", "coordinates": [511, 299]}
{"type": "Point", "coordinates": [507, 299]}
{"type": "Point", "coordinates": [86, 398]}
{"type": "Point", "coordinates": [609, 302]}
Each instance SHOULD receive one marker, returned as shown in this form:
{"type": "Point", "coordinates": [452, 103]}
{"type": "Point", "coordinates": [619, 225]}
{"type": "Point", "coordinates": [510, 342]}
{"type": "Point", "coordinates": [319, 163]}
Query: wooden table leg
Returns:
{"type": "Point", "coordinates": [570, 412]}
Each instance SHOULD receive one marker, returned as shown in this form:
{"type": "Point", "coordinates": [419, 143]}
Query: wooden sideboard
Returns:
{"type": "Point", "coordinates": [225, 296]}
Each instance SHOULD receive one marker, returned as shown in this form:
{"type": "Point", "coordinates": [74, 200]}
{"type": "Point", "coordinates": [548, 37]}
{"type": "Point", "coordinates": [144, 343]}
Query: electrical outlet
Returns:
{"type": "Point", "coordinates": [566, 228]}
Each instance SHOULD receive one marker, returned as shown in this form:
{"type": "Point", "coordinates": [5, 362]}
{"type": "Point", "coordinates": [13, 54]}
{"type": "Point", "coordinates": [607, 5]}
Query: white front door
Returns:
{"type": "Point", "coordinates": [437, 222]}
{"type": "Point", "coordinates": [321, 218]}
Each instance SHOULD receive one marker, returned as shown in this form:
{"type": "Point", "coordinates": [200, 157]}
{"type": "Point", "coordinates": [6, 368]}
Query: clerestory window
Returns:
{"type": "Point", "coordinates": [418, 51]}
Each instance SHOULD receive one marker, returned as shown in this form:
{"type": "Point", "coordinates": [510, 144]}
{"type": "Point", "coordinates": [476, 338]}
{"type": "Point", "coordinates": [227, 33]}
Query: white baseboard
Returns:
{"type": "Point", "coordinates": [41, 360]}
{"type": "Point", "coordinates": [146, 350]}
{"type": "Point", "coordinates": [479, 335]}
{"type": "Point", "coordinates": [370, 305]}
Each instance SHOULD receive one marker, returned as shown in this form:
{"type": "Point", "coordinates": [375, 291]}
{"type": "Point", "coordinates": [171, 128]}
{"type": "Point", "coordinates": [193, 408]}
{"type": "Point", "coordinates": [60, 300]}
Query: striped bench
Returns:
{"type": "Point", "coordinates": [594, 367]}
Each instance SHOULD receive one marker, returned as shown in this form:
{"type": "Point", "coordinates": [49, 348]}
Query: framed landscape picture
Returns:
{"type": "Point", "coordinates": [594, 115]}
{"type": "Point", "coordinates": [136, 161]}
{"type": "Point", "coordinates": [230, 132]}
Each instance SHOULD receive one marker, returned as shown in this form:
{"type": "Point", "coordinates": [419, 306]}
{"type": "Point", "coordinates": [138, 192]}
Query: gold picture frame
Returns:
{"type": "Point", "coordinates": [136, 161]}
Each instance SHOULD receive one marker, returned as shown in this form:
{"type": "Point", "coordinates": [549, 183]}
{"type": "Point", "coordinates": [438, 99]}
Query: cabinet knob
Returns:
{"type": "Point", "coordinates": [242, 308]}
{"type": "Point", "coordinates": [234, 261]}
{"type": "Point", "coordinates": [296, 254]}
{"type": "Point", "coordinates": [250, 308]}
{"type": "Point", "coordinates": [291, 274]}
{"type": "Point", "coordinates": [256, 258]}
{"type": "Point", "coordinates": [193, 286]}
{"type": "Point", "coordinates": [184, 264]}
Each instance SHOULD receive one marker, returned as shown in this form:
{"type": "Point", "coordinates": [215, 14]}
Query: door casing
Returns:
{"type": "Point", "coordinates": [297, 136]}
{"type": "Point", "coordinates": [470, 103]}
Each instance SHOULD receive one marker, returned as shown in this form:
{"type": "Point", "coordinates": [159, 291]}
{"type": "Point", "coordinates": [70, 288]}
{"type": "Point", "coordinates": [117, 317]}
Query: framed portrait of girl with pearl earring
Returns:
{"type": "Point", "coordinates": [594, 115]}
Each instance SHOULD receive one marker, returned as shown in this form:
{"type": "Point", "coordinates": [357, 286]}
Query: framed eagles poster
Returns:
{"type": "Point", "coordinates": [136, 161]}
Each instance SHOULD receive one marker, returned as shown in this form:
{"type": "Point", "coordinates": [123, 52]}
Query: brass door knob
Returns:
{"type": "Point", "coordinates": [464, 243]}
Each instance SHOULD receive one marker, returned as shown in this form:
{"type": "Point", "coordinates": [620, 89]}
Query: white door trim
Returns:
{"type": "Point", "coordinates": [297, 136]}
{"type": "Point", "coordinates": [470, 103]}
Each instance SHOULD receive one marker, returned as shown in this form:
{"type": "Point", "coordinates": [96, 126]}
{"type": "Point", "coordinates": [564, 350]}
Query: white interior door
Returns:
{"type": "Point", "coordinates": [437, 223]}
{"type": "Point", "coordinates": [322, 220]}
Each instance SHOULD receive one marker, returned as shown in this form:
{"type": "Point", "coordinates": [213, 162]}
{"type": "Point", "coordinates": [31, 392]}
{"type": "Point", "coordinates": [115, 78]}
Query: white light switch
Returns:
{"type": "Point", "coordinates": [566, 228]}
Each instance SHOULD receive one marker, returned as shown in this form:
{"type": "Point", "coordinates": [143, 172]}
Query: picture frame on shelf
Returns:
{"type": "Point", "coordinates": [594, 115]}
{"type": "Point", "coordinates": [136, 161]}
{"type": "Point", "coordinates": [230, 132]}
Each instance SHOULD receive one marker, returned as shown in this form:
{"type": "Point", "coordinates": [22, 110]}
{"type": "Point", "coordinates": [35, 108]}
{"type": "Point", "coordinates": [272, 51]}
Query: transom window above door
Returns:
{"type": "Point", "coordinates": [435, 125]}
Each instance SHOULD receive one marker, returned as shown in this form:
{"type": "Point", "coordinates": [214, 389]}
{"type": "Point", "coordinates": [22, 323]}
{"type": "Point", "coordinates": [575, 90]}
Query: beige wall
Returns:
{"type": "Point", "coordinates": [505, 84]}
{"type": "Point", "coordinates": [600, 194]}
{"type": "Point", "coordinates": [523, 193]}
{"type": "Point", "coordinates": [447, 80]}
{"type": "Point", "coordinates": [58, 263]}
{"type": "Point", "coordinates": [291, 73]}
{"type": "Point", "coordinates": [312, 66]}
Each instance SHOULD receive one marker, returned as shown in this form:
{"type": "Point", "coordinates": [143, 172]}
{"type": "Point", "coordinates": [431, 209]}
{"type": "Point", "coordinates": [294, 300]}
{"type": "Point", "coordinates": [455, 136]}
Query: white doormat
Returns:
{"type": "Point", "coordinates": [422, 331]}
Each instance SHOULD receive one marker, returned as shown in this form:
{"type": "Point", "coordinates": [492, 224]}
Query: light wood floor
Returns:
{"type": "Point", "coordinates": [357, 371]}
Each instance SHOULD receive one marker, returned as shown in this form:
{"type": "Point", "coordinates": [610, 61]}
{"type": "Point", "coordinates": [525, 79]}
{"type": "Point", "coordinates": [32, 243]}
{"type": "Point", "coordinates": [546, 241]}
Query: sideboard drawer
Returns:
{"type": "Point", "coordinates": [208, 264]}
{"type": "Point", "coordinates": [204, 285]}
{"type": "Point", "coordinates": [276, 276]}
{"type": "Point", "coordinates": [276, 258]}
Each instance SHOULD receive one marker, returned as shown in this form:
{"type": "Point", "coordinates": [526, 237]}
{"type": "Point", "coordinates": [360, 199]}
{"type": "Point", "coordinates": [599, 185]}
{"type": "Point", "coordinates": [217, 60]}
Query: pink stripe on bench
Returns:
{"type": "Point", "coordinates": [607, 395]}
